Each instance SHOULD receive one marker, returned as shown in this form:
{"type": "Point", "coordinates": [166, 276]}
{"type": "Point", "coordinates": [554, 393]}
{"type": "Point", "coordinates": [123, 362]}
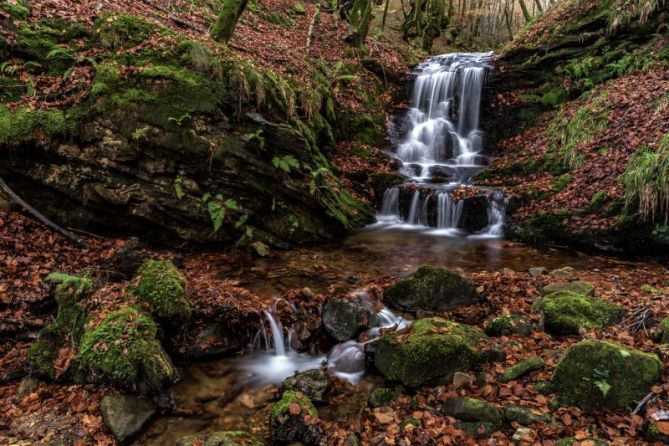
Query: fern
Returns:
{"type": "Point", "coordinates": [82, 283]}
{"type": "Point", "coordinates": [286, 163]}
{"type": "Point", "coordinates": [218, 207]}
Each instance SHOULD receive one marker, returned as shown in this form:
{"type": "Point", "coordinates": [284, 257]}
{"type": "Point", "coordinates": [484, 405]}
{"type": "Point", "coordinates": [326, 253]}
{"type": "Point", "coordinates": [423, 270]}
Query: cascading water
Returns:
{"type": "Point", "coordinates": [443, 149]}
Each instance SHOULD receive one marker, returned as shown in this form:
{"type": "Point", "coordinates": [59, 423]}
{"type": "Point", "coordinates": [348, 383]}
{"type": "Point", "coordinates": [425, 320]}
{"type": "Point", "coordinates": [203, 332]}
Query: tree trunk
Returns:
{"type": "Point", "coordinates": [360, 18]}
{"type": "Point", "coordinates": [526, 12]}
{"type": "Point", "coordinates": [539, 7]}
{"type": "Point", "coordinates": [225, 26]}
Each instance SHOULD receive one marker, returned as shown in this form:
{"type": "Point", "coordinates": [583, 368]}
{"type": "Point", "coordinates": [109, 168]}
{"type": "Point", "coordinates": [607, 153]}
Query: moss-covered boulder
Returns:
{"type": "Point", "coordinates": [315, 384]}
{"type": "Point", "coordinates": [431, 289]}
{"type": "Point", "coordinates": [125, 415]}
{"type": "Point", "coordinates": [567, 313]}
{"type": "Point", "coordinates": [430, 350]}
{"type": "Point", "coordinates": [160, 284]}
{"type": "Point", "coordinates": [344, 319]}
{"type": "Point", "coordinates": [597, 376]}
{"type": "Point", "coordinates": [506, 325]}
{"type": "Point", "coordinates": [520, 369]}
{"type": "Point", "coordinates": [67, 327]}
{"type": "Point", "coordinates": [577, 286]}
{"type": "Point", "coordinates": [228, 438]}
{"type": "Point", "coordinates": [292, 419]}
{"type": "Point", "coordinates": [123, 349]}
{"type": "Point", "coordinates": [471, 409]}
{"type": "Point", "coordinates": [524, 415]}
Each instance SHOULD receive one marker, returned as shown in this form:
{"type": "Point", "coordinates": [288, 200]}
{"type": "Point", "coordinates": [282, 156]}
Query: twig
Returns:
{"type": "Point", "coordinates": [36, 214]}
{"type": "Point", "coordinates": [646, 399]}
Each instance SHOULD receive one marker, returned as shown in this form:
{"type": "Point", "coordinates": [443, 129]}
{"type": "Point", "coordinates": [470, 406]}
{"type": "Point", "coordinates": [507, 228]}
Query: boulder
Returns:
{"type": "Point", "coordinates": [210, 341]}
{"type": "Point", "coordinates": [160, 284]}
{"type": "Point", "coordinates": [567, 313]}
{"type": "Point", "coordinates": [315, 384]}
{"type": "Point", "coordinates": [537, 271]}
{"type": "Point", "coordinates": [125, 415]}
{"type": "Point", "coordinates": [474, 216]}
{"type": "Point", "coordinates": [520, 369]}
{"type": "Point", "coordinates": [577, 286]}
{"type": "Point", "coordinates": [430, 350]}
{"type": "Point", "coordinates": [508, 325]}
{"type": "Point", "coordinates": [597, 376]}
{"type": "Point", "coordinates": [292, 419]}
{"type": "Point", "coordinates": [566, 272]}
{"type": "Point", "coordinates": [431, 289]}
{"type": "Point", "coordinates": [344, 319]}
{"type": "Point", "coordinates": [471, 409]}
{"type": "Point", "coordinates": [220, 439]}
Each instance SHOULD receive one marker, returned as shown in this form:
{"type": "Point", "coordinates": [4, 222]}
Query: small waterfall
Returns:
{"type": "Point", "coordinates": [443, 149]}
{"type": "Point", "coordinates": [277, 334]}
{"type": "Point", "coordinates": [496, 212]}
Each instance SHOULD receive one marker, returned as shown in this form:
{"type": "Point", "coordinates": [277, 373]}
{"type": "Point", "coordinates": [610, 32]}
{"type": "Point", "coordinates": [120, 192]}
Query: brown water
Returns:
{"type": "Point", "coordinates": [220, 395]}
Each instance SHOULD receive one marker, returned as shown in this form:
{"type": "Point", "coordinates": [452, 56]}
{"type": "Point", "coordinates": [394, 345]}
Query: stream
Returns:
{"type": "Point", "coordinates": [436, 217]}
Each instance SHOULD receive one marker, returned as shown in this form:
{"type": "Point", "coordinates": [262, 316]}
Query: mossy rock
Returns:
{"type": "Point", "coordinates": [122, 30]}
{"type": "Point", "coordinates": [508, 325]}
{"type": "Point", "coordinates": [287, 421]}
{"type": "Point", "coordinates": [430, 350]}
{"type": "Point", "coordinates": [522, 368]}
{"type": "Point", "coordinates": [315, 384]}
{"type": "Point", "coordinates": [590, 441]}
{"type": "Point", "coordinates": [597, 376]}
{"type": "Point", "coordinates": [381, 396]}
{"type": "Point", "coordinates": [123, 349]}
{"type": "Point", "coordinates": [163, 287]}
{"type": "Point", "coordinates": [567, 313]}
{"type": "Point", "coordinates": [577, 286]}
{"type": "Point", "coordinates": [477, 429]}
{"type": "Point", "coordinates": [227, 438]}
{"type": "Point", "coordinates": [663, 331]}
{"type": "Point", "coordinates": [471, 409]}
{"type": "Point", "coordinates": [431, 289]}
{"type": "Point", "coordinates": [524, 416]}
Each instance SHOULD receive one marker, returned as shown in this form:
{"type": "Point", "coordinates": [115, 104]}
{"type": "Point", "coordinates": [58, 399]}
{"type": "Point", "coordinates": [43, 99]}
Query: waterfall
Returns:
{"type": "Point", "coordinates": [443, 149]}
{"type": "Point", "coordinates": [277, 334]}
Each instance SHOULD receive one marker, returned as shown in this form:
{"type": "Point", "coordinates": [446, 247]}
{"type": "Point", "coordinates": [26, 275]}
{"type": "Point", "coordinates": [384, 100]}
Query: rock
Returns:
{"type": "Point", "coordinates": [663, 331]}
{"type": "Point", "coordinates": [597, 376]}
{"type": "Point", "coordinates": [590, 441]}
{"type": "Point", "coordinates": [537, 271]}
{"type": "Point", "coordinates": [125, 415]}
{"type": "Point", "coordinates": [471, 409]}
{"type": "Point", "coordinates": [544, 387]}
{"type": "Point", "coordinates": [210, 342]}
{"type": "Point", "coordinates": [430, 350]}
{"type": "Point", "coordinates": [381, 396]}
{"type": "Point", "coordinates": [221, 439]}
{"type": "Point", "coordinates": [577, 286]}
{"type": "Point", "coordinates": [261, 249]}
{"type": "Point", "coordinates": [477, 429]}
{"type": "Point", "coordinates": [125, 261]}
{"type": "Point", "coordinates": [160, 284]}
{"type": "Point", "coordinates": [568, 313]}
{"type": "Point", "coordinates": [523, 435]}
{"type": "Point", "coordinates": [508, 325]}
{"type": "Point", "coordinates": [431, 289]}
{"type": "Point", "coordinates": [522, 368]}
{"type": "Point", "coordinates": [315, 384]}
{"type": "Point", "coordinates": [344, 320]}
{"type": "Point", "coordinates": [474, 213]}
{"type": "Point", "coordinates": [290, 419]}
{"type": "Point", "coordinates": [566, 272]}
{"type": "Point", "coordinates": [462, 379]}
{"type": "Point", "coordinates": [26, 387]}
{"type": "Point", "coordinates": [524, 415]}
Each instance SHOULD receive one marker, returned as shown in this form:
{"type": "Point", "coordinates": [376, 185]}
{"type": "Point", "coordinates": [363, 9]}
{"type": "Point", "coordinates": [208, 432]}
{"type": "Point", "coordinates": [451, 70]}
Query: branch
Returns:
{"type": "Point", "coordinates": [36, 214]}
{"type": "Point", "coordinates": [312, 26]}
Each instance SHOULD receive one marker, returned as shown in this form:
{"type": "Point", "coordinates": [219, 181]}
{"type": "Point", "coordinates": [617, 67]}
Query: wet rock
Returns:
{"type": "Point", "coordinates": [344, 320]}
{"type": "Point", "coordinates": [292, 419]}
{"type": "Point", "coordinates": [210, 342]}
{"type": "Point", "coordinates": [125, 415]}
{"type": "Point", "coordinates": [537, 271]}
{"type": "Point", "coordinates": [524, 415]}
{"type": "Point", "coordinates": [474, 216]}
{"type": "Point", "coordinates": [471, 409]}
{"type": "Point", "coordinates": [577, 286]}
{"type": "Point", "coordinates": [220, 439]}
{"type": "Point", "coordinates": [508, 325]}
{"type": "Point", "coordinates": [522, 368]}
{"type": "Point", "coordinates": [568, 313]}
{"type": "Point", "coordinates": [381, 396]}
{"type": "Point", "coordinates": [597, 376]}
{"type": "Point", "coordinates": [573, 441]}
{"type": "Point", "coordinates": [566, 272]}
{"type": "Point", "coordinates": [315, 384]}
{"type": "Point", "coordinates": [431, 289]}
{"type": "Point", "coordinates": [430, 350]}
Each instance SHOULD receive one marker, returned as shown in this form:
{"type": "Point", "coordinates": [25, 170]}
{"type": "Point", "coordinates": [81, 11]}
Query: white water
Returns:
{"type": "Point", "coordinates": [274, 360]}
{"type": "Point", "coordinates": [444, 142]}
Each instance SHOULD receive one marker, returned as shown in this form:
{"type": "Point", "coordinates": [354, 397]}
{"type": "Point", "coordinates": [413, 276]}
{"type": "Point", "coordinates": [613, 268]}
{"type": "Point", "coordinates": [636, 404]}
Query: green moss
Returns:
{"type": "Point", "coordinates": [523, 415]}
{"type": "Point", "coordinates": [471, 409]}
{"type": "Point", "coordinates": [42, 354]}
{"type": "Point", "coordinates": [578, 286]}
{"type": "Point", "coordinates": [17, 11]}
{"type": "Point", "coordinates": [546, 227]}
{"type": "Point", "coordinates": [663, 331]}
{"type": "Point", "coordinates": [123, 348]}
{"type": "Point", "coordinates": [17, 125]}
{"type": "Point", "coordinates": [430, 350]}
{"type": "Point", "coordinates": [569, 441]}
{"type": "Point", "coordinates": [559, 183]}
{"type": "Point", "coordinates": [163, 287]}
{"type": "Point", "coordinates": [566, 312]}
{"type": "Point", "coordinates": [122, 30]}
{"type": "Point", "coordinates": [522, 368]}
{"type": "Point", "coordinates": [221, 439]}
{"type": "Point", "coordinates": [381, 396]}
{"type": "Point", "coordinates": [507, 325]}
{"type": "Point", "coordinates": [597, 376]}
{"type": "Point", "coordinates": [289, 397]}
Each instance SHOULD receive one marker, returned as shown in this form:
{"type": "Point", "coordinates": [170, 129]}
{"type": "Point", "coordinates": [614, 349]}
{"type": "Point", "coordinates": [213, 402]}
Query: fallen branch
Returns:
{"type": "Point", "coordinates": [37, 215]}
{"type": "Point", "coordinates": [312, 26]}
